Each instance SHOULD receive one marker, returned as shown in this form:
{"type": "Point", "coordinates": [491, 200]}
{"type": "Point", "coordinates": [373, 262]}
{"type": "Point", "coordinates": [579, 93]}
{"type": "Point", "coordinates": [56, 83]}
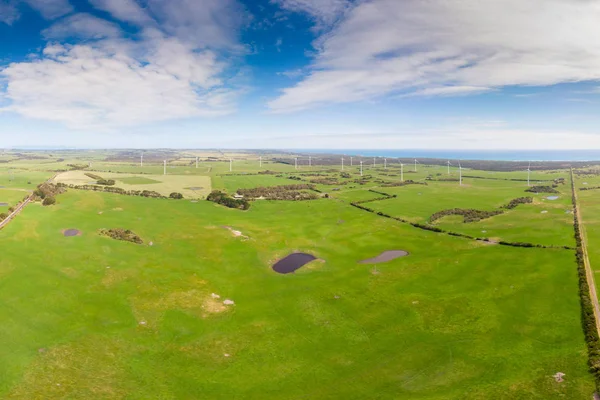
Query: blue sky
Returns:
{"type": "Point", "coordinates": [349, 74]}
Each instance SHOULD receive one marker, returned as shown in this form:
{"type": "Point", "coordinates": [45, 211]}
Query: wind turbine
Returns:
{"type": "Point", "coordinates": [296, 163]}
{"type": "Point", "coordinates": [416, 164]}
{"type": "Point", "coordinates": [448, 167]}
{"type": "Point", "coordinates": [164, 167]}
{"type": "Point", "coordinates": [460, 173]}
{"type": "Point", "coordinates": [196, 162]}
{"type": "Point", "coordinates": [528, 173]}
{"type": "Point", "coordinates": [142, 160]}
{"type": "Point", "coordinates": [342, 163]}
{"type": "Point", "coordinates": [260, 161]}
{"type": "Point", "coordinates": [361, 172]}
{"type": "Point", "coordinates": [310, 161]}
{"type": "Point", "coordinates": [385, 163]}
{"type": "Point", "coordinates": [351, 164]}
{"type": "Point", "coordinates": [374, 162]}
{"type": "Point", "coordinates": [230, 164]}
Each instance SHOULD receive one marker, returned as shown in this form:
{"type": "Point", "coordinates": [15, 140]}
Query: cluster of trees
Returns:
{"type": "Point", "coordinates": [587, 172]}
{"type": "Point", "coordinates": [444, 179]}
{"type": "Point", "coordinates": [282, 192]}
{"type": "Point", "coordinates": [519, 200]}
{"type": "Point", "coordinates": [76, 166]}
{"type": "Point", "coordinates": [93, 176]}
{"type": "Point", "coordinates": [590, 188]}
{"type": "Point", "coordinates": [47, 192]}
{"type": "Point", "coordinates": [468, 214]}
{"type": "Point", "coordinates": [100, 180]}
{"type": "Point", "coordinates": [405, 183]}
{"type": "Point", "coordinates": [3, 216]}
{"type": "Point", "coordinates": [122, 234]}
{"type": "Point", "coordinates": [223, 199]}
{"type": "Point", "coordinates": [327, 181]}
{"type": "Point", "coordinates": [345, 175]}
{"type": "Point", "coordinates": [110, 189]}
{"type": "Point", "coordinates": [176, 196]}
{"type": "Point", "coordinates": [588, 319]}
{"type": "Point", "coordinates": [542, 189]}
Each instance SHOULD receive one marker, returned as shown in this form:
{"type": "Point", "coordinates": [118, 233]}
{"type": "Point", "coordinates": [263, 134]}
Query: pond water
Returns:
{"type": "Point", "coordinates": [292, 262]}
{"type": "Point", "coordinates": [552, 197]}
{"type": "Point", "coordinates": [385, 257]}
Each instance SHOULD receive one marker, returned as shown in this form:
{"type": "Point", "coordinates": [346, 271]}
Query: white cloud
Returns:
{"type": "Point", "coordinates": [83, 26]}
{"type": "Point", "coordinates": [51, 9]}
{"type": "Point", "coordinates": [8, 11]}
{"type": "Point", "coordinates": [103, 86]}
{"type": "Point", "coordinates": [415, 46]}
{"type": "Point", "coordinates": [124, 10]}
{"type": "Point", "coordinates": [111, 79]}
{"type": "Point", "coordinates": [207, 23]}
{"type": "Point", "coordinates": [324, 11]}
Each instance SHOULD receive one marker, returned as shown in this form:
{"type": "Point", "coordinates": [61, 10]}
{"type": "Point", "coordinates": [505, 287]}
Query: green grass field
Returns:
{"type": "Point", "coordinates": [89, 317]}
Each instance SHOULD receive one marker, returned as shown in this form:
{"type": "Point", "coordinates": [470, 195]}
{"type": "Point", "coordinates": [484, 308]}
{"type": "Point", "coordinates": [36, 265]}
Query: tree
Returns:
{"type": "Point", "coordinates": [176, 195]}
{"type": "Point", "coordinates": [48, 201]}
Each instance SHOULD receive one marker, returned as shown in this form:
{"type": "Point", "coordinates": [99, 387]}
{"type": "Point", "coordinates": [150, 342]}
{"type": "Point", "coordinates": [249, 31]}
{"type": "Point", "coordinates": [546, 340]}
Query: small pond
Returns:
{"type": "Point", "coordinates": [292, 262]}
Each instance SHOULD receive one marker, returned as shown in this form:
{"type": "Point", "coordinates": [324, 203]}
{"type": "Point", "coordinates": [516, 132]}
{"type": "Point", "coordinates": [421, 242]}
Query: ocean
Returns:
{"type": "Point", "coordinates": [496, 155]}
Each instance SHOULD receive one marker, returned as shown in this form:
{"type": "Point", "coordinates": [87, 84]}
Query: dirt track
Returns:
{"type": "Point", "coordinates": [586, 261]}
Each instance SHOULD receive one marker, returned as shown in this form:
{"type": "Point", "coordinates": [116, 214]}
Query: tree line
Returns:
{"type": "Point", "coordinates": [281, 192]}
{"type": "Point", "coordinates": [588, 319]}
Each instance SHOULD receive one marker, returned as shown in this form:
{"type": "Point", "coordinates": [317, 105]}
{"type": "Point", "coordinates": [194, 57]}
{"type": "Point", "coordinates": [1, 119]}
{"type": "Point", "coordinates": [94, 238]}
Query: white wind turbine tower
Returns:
{"type": "Point", "coordinates": [196, 162]}
{"type": "Point", "coordinates": [528, 173]}
{"type": "Point", "coordinates": [460, 173]}
{"type": "Point", "coordinates": [230, 164]}
{"type": "Point", "coordinates": [385, 163]}
{"type": "Point", "coordinates": [296, 163]}
{"type": "Point", "coordinates": [361, 172]}
{"type": "Point", "coordinates": [416, 162]}
{"type": "Point", "coordinates": [260, 161]}
{"type": "Point", "coordinates": [309, 161]}
{"type": "Point", "coordinates": [164, 167]}
{"type": "Point", "coordinates": [142, 160]}
{"type": "Point", "coordinates": [374, 162]}
{"type": "Point", "coordinates": [351, 164]}
{"type": "Point", "coordinates": [448, 167]}
{"type": "Point", "coordinates": [342, 163]}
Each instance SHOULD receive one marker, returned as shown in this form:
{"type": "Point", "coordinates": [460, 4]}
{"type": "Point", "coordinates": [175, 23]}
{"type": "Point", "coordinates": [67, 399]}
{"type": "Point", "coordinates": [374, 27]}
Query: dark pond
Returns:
{"type": "Point", "coordinates": [292, 262]}
{"type": "Point", "coordinates": [71, 232]}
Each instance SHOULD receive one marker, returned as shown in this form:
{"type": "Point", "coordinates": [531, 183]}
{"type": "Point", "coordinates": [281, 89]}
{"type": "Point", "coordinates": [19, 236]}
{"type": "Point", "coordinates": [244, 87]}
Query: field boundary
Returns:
{"type": "Point", "coordinates": [581, 238]}
{"type": "Point", "coordinates": [431, 228]}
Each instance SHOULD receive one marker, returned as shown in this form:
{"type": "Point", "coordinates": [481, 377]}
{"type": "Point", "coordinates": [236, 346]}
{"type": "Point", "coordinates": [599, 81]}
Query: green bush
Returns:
{"type": "Point", "coordinates": [48, 201]}
{"type": "Point", "coordinates": [176, 195]}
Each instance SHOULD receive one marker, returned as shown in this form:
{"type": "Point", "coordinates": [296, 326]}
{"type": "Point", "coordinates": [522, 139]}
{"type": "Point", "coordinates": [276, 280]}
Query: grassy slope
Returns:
{"type": "Point", "coordinates": [453, 320]}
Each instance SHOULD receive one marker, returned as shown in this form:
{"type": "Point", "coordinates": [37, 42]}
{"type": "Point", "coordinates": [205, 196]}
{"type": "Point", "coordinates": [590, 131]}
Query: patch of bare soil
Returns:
{"type": "Point", "coordinates": [385, 257]}
{"type": "Point", "coordinates": [236, 233]}
{"type": "Point", "coordinates": [213, 306]}
{"type": "Point", "coordinates": [71, 232]}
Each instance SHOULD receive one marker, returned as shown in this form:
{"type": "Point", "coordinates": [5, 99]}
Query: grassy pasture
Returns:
{"type": "Point", "coordinates": [11, 197]}
{"type": "Point", "coordinates": [449, 321]}
{"type": "Point", "coordinates": [90, 317]}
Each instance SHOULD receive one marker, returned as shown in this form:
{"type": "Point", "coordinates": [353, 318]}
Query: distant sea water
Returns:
{"type": "Point", "coordinates": [495, 155]}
